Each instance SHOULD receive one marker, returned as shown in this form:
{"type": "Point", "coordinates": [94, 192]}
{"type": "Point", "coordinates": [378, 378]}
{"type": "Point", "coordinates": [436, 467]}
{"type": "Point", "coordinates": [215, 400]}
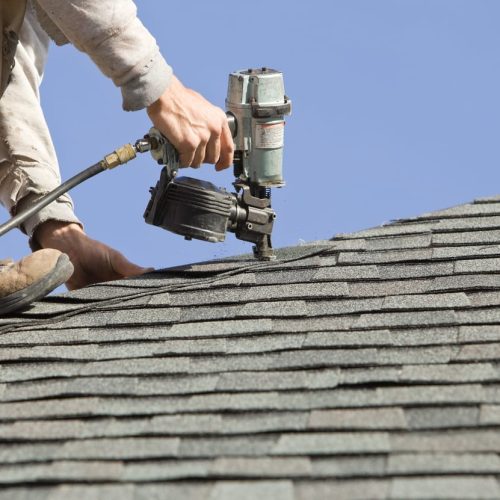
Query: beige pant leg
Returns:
{"type": "Point", "coordinates": [28, 162]}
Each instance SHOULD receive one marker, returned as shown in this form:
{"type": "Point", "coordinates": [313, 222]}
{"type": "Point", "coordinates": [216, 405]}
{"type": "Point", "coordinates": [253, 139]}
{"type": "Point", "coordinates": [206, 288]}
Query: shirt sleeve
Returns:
{"type": "Point", "coordinates": [110, 32]}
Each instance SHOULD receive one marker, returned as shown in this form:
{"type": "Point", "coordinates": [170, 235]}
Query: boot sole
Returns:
{"type": "Point", "coordinates": [21, 299]}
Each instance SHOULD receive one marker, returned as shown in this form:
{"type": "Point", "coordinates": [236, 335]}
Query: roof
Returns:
{"type": "Point", "coordinates": [360, 367]}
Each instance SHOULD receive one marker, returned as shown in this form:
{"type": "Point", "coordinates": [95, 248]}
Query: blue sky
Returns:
{"type": "Point", "coordinates": [396, 112]}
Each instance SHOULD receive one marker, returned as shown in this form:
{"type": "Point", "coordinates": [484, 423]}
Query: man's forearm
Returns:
{"type": "Point", "coordinates": [116, 40]}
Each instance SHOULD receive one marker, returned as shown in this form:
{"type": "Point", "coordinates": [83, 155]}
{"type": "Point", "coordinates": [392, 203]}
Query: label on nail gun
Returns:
{"type": "Point", "coordinates": [269, 135]}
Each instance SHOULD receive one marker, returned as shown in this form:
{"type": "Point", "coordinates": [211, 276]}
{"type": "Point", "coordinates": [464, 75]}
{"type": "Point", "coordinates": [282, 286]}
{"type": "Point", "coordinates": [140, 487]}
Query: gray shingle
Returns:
{"type": "Point", "coordinates": [380, 418]}
{"type": "Point", "coordinates": [342, 306]}
{"type": "Point", "coordinates": [385, 256]}
{"type": "Point", "coordinates": [282, 277]}
{"type": "Point", "coordinates": [199, 314]}
{"type": "Point", "coordinates": [384, 288]}
{"type": "Point", "coordinates": [82, 352]}
{"type": "Point", "coordinates": [356, 489]}
{"type": "Point", "coordinates": [315, 358]}
{"type": "Point", "coordinates": [161, 491]}
{"type": "Point", "coordinates": [369, 375]}
{"type": "Point", "coordinates": [332, 443]}
{"type": "Point", "coordinates": [458, 252]}
{"type": "Point", "coordinates": [206, 296]}
{"type": "Point", "coordinates": [472, 223]}
{"type": "Point", "coordinates": [245, 490]}
{"type": "Point", "coordinates": [465, 210]}
{"type": "Point", "coordinates": [291, 308]}
{"type": "Point", "coordinates": [449, 373]}
{"type": "Point", "coordinates": [31, 371]}
{"type": "Point", "coordinates": [489, 415]}
{"type": "Point", "coordinates": [482, 299]}
{"type": "Point", "coordinates": [165, 470]}
{"type": "Point", "coordinates": [120, 448]}
{"type": "Point", "coordinates": [269, 380]}
{"type": "Point", "coordinates": [97, 292]}
{"type": "Point", "coordinates": [409, 355]}
{"type": "Point", "coordinates": [467, 238]}
{"type": "Point", "coordinates": [399, 242]}
{"type": "Point", "coordinates": [393, 229]}
{"type": "Point", "coordinates": [227, 446]}
{"type": "Point", "coordinates": [488, 199]}
{"type": "Point", "coordinates": [349, 244]}
{"type": "Point", "coordinates": [346, 273]}
{"type": "Point", "coordinates": [415, 337]}
{"type": "Point", "coordinates": [31, 493]}
{"type": "Point", "coordinates": [312, 324]}
{"type": "Point", "coordinates": [430, 301]}
{"type": "Point", "coordinates": [248, 423]}
{"type": "Point", "coordinates": [402, 319]}
{"type": "Point", "coordinates": [364, 466]}
{"type": "Point", "coordinates": [457, 441]}
{"type": "Point", "coordinates": [47, 308]}
{"type": "Point", "coordinates": [477, 352]}
{"type": "Point", "coordinates": [432, 463]}
{"type": "Point", "coordinates": [79, 336]}
{"type": "Point", "coordinates": [478, 316]}
{"type": "Point", "coordinates": [61, 471]}
{"type": "Point", "coordinates": [477, 266]}
{"type": "Point", "coordinates": [479, 333]}
{"type": "Point", "coordinates": [299, 291]}
{"type": "Point", "coordinates": [466, 282]}
{"type": "Point", "coordinates": [96, 386]}
{"type": "Point", "coordinates": [264, 343]}
{"type": "Point", "coordinates": [444, 417]}
{"type": "Point", "coordinates": [262, 467]}
{"type": "Point", "coordinates": [92, 492]}
{"type": "Point", "coordinates": [141, 366]}
{"type": "Point", "coordinates": [410, 270]}
{"type": "Point", "coordinates": [221, 328]}
{"type": "Point", "coordinates": [164, 425]}
{"type": "Point", "coordinates": [145, 316]}
{"type": "Point", "coordinates": [433, 488]}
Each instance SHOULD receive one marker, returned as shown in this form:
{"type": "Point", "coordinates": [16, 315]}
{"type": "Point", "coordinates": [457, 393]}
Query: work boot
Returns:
{"type": "Point", "coordinates": [32, 278]}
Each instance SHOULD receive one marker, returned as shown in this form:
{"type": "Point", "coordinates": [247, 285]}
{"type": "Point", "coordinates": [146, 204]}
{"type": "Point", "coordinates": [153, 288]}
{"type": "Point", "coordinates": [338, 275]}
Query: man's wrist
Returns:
{"type": "Point", "coordinates": [57, 234]}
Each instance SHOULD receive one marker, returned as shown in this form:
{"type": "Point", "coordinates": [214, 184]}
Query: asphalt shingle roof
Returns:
{"type": "Point", "coordinates": [366, 366]}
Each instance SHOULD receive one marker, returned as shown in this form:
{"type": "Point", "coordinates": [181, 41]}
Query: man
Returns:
{"type": "Point", "coordinates": [112, 35]}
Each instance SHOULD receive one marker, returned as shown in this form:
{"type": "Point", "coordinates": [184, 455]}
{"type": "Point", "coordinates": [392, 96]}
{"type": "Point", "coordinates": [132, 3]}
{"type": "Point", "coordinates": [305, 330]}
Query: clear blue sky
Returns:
{"type": "Point", "coordinates": [396, 112]}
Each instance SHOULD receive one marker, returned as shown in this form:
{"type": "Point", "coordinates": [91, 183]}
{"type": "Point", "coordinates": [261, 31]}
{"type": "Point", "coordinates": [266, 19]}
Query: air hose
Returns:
{"type": "Point", "coordinates": [119, 157]}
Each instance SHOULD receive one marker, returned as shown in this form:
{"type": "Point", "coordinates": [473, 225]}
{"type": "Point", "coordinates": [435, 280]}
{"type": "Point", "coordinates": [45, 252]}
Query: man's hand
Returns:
{"type": "Point", "coordinates": [93, 261]}
{"type": "Point", "coordinates": [197, 129]}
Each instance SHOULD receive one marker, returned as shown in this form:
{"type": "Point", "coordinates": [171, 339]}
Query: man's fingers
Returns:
{"type": "Point", "coordinates": [227, 149]}
{"type": "Point", "coordinates": [124, 268]}
{"type": "Point", "coordinates": [212, 153]}
{"type": "Point", "coordinates": [186, 158]}
{"type": "Point", "coordinates": [199, 155]}
{"type": "Point", "coordinates": [187, 151]}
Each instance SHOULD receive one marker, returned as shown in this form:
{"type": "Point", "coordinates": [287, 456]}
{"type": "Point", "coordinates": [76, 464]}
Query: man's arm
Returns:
{"type": "Point", "coordinates": [116, 40]}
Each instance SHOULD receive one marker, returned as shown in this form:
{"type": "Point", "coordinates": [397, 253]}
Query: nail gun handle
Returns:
{"type": "Point", "coordinates": [163, 152]}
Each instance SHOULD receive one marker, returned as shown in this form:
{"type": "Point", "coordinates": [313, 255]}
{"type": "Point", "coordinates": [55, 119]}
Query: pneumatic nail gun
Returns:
{"type": "Point", "coordinates": [256, 106]}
